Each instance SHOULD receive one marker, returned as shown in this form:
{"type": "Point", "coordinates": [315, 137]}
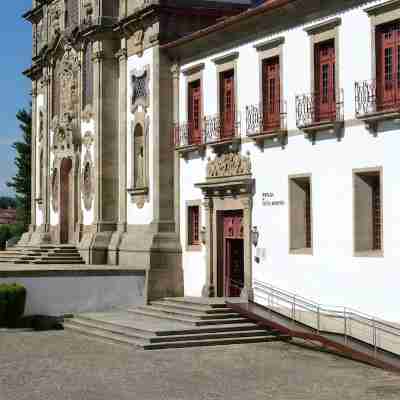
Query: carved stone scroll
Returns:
{"type": "Point", "coordinates": [226, 165]}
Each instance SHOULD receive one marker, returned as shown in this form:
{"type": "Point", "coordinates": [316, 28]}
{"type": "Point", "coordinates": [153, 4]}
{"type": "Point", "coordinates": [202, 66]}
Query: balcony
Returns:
{"type": "Point", "coordinates": [317, 112]}
{"type": "Point", "coordinates": [265, 122]}
{"type": "Point", "coordinates": [186, 139]}
{"type": "Point", "coordinates": [374, 105]}
{"type": "Point", "coordinates": [222, 130]}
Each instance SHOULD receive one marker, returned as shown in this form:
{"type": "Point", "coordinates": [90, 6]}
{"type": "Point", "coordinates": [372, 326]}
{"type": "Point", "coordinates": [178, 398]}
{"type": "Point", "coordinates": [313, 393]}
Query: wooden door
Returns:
{"type": "Point", "coordinates": [194, 116]}
{"type": "Point", "coordinates": [388, 66]}
{"type": "Point", "coordinates": [65, 199]}
{"type": "Point", "coordinates": [227, 107]}
{"type": "Point", "coordinates": [233, 253]}
{"type": "Point", "coordinates": [271, 94]}
{"type": "Point", "coordinates": [325, 98]}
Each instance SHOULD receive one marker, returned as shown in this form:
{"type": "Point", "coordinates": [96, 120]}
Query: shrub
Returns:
{"type": "Point", "coordinates": [12, 304]}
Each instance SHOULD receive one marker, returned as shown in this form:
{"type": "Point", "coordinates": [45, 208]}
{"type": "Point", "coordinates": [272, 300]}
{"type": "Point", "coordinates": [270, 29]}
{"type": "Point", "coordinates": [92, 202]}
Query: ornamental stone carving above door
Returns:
{"type": "Point", "coordinates": [227, 165]}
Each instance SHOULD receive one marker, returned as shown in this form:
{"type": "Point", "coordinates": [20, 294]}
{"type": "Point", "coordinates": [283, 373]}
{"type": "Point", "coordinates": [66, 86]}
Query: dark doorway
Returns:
{"type": "Point", "coordinates": [65, 201]}
{"type": "Point", "coordinates": [230, 254]}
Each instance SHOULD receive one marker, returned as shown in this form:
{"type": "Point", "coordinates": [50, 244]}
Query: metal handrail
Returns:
{"type": "Point", "coordinates": [377, 332]}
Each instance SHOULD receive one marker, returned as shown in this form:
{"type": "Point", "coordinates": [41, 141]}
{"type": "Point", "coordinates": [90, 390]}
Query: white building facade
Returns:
{"type": "Point", "coordinates": [286, 134]}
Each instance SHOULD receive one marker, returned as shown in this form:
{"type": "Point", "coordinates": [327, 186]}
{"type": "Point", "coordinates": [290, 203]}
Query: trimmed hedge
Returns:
{"type": "Point", "coordinates": [12, 304]}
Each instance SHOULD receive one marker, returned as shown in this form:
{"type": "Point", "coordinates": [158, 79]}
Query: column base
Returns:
{"type": "Point", "coordinates": [208, 291]}
{"type": "Point", "coordinates": [247, 293]}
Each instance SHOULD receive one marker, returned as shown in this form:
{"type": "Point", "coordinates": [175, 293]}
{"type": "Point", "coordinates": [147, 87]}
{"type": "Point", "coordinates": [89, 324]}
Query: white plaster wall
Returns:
{"type": "Point", "coordinates": [88, 215]}
{"type": "Point", "coordinates": [76, 294]}
{"type": "Point", "coordinates": [39, 212]}
{"type": "Point", "coordinates": [332, 275]}
{"type": "Point", "coordinates": [135, 215]}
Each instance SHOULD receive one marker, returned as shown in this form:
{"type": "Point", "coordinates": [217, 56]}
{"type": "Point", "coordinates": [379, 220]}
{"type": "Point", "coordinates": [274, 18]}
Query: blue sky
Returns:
{"type": "Point", "coordinates": [16, 42]}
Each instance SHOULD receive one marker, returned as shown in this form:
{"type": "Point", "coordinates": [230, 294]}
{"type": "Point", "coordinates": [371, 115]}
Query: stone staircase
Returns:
{"type": "Point", "coordinates": [172, 323]}
{"type": "Point", "coordinates": [44, 254]}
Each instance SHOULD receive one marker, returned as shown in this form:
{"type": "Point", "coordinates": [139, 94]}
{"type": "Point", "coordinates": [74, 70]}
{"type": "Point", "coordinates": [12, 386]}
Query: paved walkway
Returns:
{"type": "Point", "coordinates": [61, 365]}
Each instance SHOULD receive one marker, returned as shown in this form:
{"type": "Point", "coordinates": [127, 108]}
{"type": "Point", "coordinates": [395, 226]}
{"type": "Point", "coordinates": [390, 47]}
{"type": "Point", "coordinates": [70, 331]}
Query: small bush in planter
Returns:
{"type": "Point", "coordinates": [12, 304]}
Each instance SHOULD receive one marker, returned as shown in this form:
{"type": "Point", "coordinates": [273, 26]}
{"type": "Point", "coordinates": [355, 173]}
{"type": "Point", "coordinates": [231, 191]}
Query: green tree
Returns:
{"type": "Point", "coordinates": [21, 182]}
{"type": "Point", "coordinates": [7, 202]}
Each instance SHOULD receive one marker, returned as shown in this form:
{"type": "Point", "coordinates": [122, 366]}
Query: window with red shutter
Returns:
{"type": "Point", "coordinates": [194, 112]}
{"type": "Point", "coordinates": [193, 225]}
{"type": "Point", "coordinates": [227, 104]}
{"type": "Point", "coordinates": [325, 91]}
{"type": "Point", "coordinates": [388, 65]}
{"type": "Point", "coordinates": [271, 94]}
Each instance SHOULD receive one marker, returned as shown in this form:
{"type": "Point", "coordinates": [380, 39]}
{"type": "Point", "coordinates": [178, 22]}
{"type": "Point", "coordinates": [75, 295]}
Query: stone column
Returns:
{"type": "Point", "coordinates": [47, 82]}
{"type": "Point", "coordinates": [247, 291]}
{"type": "Point", "coordinates": [33, 156]}
{"type": "Point", "coordinates": [175, 70]}
{"type": "Point", "coordinates": [208, 289]}
{"type": "Point", "coordinates": [122, 135]}
{"type": "Point", "coordinates": [97, 109]}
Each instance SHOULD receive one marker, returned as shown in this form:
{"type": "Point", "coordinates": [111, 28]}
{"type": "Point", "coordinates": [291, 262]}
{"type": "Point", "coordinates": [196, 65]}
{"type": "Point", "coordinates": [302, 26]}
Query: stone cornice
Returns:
{"type": "Point", "coordinates": [382, 8]}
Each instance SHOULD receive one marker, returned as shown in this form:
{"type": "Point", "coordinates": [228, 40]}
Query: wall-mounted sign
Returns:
{"type": "Point", "coordinates": [268, 200]}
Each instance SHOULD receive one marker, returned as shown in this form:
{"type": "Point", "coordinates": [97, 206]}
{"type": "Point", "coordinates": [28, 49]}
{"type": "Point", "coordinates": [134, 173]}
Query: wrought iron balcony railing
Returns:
{"type": "Point", "coordinates": [221, 127]}
{"type": "Point", "coordinates": [371, 99]}
{"type": "Point", "coordinates": [183, 135]}
{"type": "Point", "coordinates": [264, 119]}
{"type": "Point", "coordinates": [317, 108]}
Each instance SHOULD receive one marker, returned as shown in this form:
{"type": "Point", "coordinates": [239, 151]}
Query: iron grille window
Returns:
{"type": "Point", "coordinates": [139, 87]}
{"type": "Point", "coordinates": [193, 225]}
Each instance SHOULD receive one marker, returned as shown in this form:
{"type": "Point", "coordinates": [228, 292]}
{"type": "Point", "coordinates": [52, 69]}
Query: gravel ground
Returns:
{"type": "Point", "coordinates": [62, 365]}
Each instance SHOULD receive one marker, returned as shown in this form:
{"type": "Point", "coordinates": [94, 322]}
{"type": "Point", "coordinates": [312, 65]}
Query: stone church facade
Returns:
{"type": "Point", "coordinates": [103, 166]}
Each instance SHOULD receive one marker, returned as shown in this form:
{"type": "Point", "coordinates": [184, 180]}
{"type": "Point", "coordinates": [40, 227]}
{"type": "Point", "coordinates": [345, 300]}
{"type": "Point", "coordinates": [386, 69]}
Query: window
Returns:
{"type": "Point", "coordinates": [300, 214]}
{"type": "Point", "coordinates": [194, 112]}
{"type": "Point", "coordinates": [271, 93]}
{"type": "Point", "coordinates": [325, 101]}
{"type": "Point", "coordinates": [227, 103]}
{"type": "Point", "coordinates": [193, 226]}
{"type": "Point", "coordinates": [388, 65]}
{"type": "Point", "coordinates": [367, 212]}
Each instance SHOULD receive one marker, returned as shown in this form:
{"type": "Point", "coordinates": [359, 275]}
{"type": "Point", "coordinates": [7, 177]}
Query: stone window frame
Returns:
{"type": "Point", "coordinates": [192, 74]}
{"type": "Point", "coordinates": [140, 101]}
{"type": "Point", "coordinates": [267, 50]}
{"type": "Point", "coordinates": [368, 253]}
{"type": "Point", "coordinates": [380, 15]}
{"type": "Point", "coordinates": [193, 203]}
{"type": "Point", "coordinates": [305, 250]}
{"type": "Point", "coordinates": [320, 33]}
{"type": "Point", "coordinates": [225, 63]}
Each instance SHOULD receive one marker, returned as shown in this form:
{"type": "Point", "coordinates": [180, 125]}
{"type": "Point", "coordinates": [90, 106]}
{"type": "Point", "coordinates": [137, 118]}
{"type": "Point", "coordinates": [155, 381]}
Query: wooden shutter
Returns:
{"type": "Point", "coordinates": [227, 104]}
{"type": "Point", "coordinates": [193, 225]}
{"type": "Point", "coordinates": [388, 65]}
{"type": "Point", "coordinates": [325, 99]}
{"type": "Point", "coordinates": [271, 94]}
{"type": "Point", "coordinates": [194, 117]}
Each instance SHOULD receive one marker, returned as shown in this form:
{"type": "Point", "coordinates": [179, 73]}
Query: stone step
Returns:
{"type": "Point", "coordinates": [191, 314]}
{"type": "Point", "coordinates": [197, 302]}
{"type": "Point", "coordinates": [107, 336]}
{"type": "Point", "coordinates": [188, 331]}
{"type": "Point", "coordinates": [190, 307]}
{"type": "Point", "coordinates": [210, 342]}
{"type": "Point", "coordinates": [186, 320]}
{"type": "Point", "coordinates": [55, 261]}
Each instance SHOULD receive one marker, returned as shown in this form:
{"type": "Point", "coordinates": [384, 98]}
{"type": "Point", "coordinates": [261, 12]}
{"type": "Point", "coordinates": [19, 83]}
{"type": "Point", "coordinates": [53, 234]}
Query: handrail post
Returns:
{"type": "Point", "coordinates": [345, 324]}
{"type": "Point", "coordinates": [318, 319]}
{"type": "Point", "coordinates": [374, 337]}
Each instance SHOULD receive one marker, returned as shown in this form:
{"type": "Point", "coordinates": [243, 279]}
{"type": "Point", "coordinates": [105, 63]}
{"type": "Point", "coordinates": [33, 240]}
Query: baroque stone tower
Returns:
{"type": "Point", "coordinates": [103, 167]}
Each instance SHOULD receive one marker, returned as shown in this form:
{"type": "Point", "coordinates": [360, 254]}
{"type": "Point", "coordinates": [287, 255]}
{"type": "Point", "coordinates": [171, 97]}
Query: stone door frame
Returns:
{"type": "Point", "coordinates": [227, 194]}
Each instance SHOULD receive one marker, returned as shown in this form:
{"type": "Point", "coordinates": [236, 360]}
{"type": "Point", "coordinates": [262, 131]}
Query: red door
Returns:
{"type": "Point", "coordinates": [194, 116]}
{"type": "Point", "coordinates": [325, 99]}
{"type": "Point", "coordinates": [233, 252]}
{"type": "Point", "coordinates": [388, 66]}
{"type": "Point", "coordinates": [271, 94]}
{"type": "Point", "coordinates": [227, 96]}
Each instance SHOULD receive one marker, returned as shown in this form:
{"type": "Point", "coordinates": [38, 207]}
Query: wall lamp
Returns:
{"type": "Point", "coordinates": [255, 235]}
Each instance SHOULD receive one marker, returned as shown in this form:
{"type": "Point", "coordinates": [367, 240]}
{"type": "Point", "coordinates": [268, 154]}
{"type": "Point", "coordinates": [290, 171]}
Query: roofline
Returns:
{"type": "Point", "coordinates": [252, 12]}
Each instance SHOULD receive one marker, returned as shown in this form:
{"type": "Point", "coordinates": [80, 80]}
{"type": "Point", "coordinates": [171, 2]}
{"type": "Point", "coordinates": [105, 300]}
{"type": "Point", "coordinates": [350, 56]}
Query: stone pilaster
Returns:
{"type": "Point", "coordinates": [46, 145]}
{"type": "Point", "coordinates": [247, 291]}
{"type": "Point", "coordinates": [209, 288]}
{"type": "Point", "coordinates": [122, 135]}
{"type": "Point", "coordinates": [33, 155]}
{"type": "Point", "coordinates": [175, 70]}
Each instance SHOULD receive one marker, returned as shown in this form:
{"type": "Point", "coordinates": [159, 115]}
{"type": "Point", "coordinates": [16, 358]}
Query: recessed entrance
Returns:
{"type": "Point", "coordinates": [65, 200]}
{"type": "Point", "coordinates": [230, 254]}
